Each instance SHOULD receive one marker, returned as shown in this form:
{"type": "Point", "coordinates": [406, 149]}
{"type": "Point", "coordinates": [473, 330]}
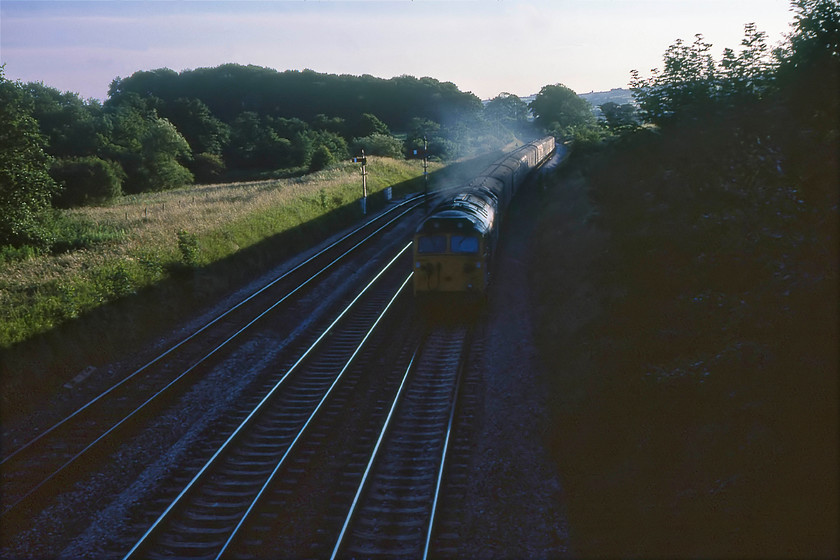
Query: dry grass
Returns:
{"type": "Point", "coordinates": [140, 244]}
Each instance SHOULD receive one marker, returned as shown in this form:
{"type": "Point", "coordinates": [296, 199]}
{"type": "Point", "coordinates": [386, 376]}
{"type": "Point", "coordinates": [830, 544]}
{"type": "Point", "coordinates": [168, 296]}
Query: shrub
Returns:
{"type": "Point", "coordinates": [86, 181]}
{"type": "Point", "coordinates": [379, 145]}
{"type": "Point", "coordinates": [207, 167]}
{"type": "Point", "coordinates": [321, 158]}
{"type": "Point", "coordinates": [188, 245]}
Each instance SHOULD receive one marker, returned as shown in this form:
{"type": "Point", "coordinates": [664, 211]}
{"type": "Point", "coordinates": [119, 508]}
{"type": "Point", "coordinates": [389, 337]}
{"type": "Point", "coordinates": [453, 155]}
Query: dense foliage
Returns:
{"type": "Point", "coordinates": [160, 130]}
{"type": "Point", "coordinates": [558, 108]}
{"type": "Point", "coordinates": [25, 184]}
{"type": "Point", "coordinates": [231, 89]}
{"type": "Point", "coordinates": [708, 424]}
{"type": "Point", "coordinates": [509, 111]}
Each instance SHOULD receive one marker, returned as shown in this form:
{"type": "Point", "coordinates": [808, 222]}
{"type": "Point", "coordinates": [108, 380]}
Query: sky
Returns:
{"type": "Point", "coordinates": [482, 46]}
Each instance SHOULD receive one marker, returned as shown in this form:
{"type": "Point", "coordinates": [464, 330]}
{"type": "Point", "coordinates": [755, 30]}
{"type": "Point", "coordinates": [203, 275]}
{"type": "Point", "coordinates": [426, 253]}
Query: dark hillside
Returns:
{"type": "Point", "coordinates": [704, 421]}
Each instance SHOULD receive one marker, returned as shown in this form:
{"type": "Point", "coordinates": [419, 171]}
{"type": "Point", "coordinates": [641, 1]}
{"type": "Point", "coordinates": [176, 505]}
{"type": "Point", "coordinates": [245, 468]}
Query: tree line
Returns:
{"type": "Point", "coordinates": [162, 129]}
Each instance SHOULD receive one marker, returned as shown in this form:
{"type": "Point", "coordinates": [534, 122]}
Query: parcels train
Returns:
{"type": "Point", "coordinates": [454, 246]}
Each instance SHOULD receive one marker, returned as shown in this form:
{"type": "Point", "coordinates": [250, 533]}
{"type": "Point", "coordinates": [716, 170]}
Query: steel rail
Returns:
{"type": "Point", "coordinates": [443, 456]}
{"type": "Point", "coordinates": [161, 518]}
{"type": "Point", "coordinates": [311, 417]}
{"type": "Point", "coordinates": [374, 456]}
{"type": "Point", "coordinates": [372, 460]}
{"type": "Point", "coordinates": [103, 436]}
{"type": "Point", "coordinates": [223, 315]}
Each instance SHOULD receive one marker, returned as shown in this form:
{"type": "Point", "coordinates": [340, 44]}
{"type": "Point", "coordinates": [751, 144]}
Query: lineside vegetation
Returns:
{"type": "Point", "coordinates": [151, 249]}
{"type": "Point", "coordinates": [696, 303]}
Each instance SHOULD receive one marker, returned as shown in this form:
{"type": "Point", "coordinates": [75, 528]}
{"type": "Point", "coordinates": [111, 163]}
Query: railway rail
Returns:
{"type": "Point", "coordinates": [43, 465]}
{"type": "Point", "coordinates": [271, 490]}
{"type": "Point", "coordinates": [338, 442]}
{"type": "Point", "coordinates": [394, 509]}
{"type": "Point", "coordinates": [206, 513]}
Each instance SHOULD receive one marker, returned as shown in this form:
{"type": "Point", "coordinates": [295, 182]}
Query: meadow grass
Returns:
{"type": "Point", "coordinates": [107, 253]}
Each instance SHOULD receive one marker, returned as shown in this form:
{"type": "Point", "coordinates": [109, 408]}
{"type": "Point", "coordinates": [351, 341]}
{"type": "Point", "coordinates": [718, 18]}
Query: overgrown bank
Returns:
{"type": "Point", "coordinates": [152, 259]}
{"type": "Point", "coordinates": [689, 327]}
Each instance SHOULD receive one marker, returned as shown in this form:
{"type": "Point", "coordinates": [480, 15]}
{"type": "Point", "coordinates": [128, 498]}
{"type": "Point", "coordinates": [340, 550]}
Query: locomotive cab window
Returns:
{"type": "Point", "coordinates": [431, 244]}
{"type": "Point", "coordinates": [464, 244]}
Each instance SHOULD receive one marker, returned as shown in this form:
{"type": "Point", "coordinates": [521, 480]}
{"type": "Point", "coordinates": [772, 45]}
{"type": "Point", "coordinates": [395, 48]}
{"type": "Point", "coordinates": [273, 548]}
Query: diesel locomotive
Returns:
{"type": "Point", "coordinates": [454, 246]}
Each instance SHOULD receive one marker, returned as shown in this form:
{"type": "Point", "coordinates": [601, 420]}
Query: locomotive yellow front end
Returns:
{"type": "Point", "coordinates": [449, 261]}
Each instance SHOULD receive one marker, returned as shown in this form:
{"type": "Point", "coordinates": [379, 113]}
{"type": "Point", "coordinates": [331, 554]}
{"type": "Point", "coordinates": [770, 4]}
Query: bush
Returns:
{"type": "Point", "coordinates": [207, 167]}
{"type": "Point", "coordinates": [321, 158]}
{"type": "Point", "coordinates": [379, 145]}
{"type": "Point", "coordinates": [188, 245]}
{"type": "Point", "coordinates": [86, 181]}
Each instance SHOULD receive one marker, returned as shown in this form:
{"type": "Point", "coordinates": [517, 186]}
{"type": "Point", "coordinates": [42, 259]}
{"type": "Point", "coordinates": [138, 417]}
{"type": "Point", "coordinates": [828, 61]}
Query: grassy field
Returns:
{"type": "Point", "coordinates": [173, 250]}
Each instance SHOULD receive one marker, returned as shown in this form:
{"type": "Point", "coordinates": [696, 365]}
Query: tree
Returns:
{"type": "Point", "coordinates": [559, 109]}
{"type": "Point", "coordinates": [749, 75]}
{"type": "Point", "coordinates": [693, 85]}
{"type": "Point", "coordinates": [810, 67]}
{"type": "Point", "coordinates": [71, 126]}
{"type": "Point", "coordinates": [230, 89]}
{"type": "Point", "coordinates": [336, 125]}
{"type": "Point", "coordinates": [202, 131]}
{"type": "Point", "coordinates": [25, 184]}
{"type": "Point", "coordinates": [507, 109]}
{"type": "Point", "coordinates": [149, 149]}
{"type": "Point", "coordinates": [816, 36]}
{"type": "Point", "coordinates": [687, 83]}
{"type": "Point", "coordinates": [336, 145]}
{"type": "Point", "coordinates": [255, 145]}
{"type": "Point", "coordinates": [369, 124]}
{"type": "Point", "coordinates": [619, 116]}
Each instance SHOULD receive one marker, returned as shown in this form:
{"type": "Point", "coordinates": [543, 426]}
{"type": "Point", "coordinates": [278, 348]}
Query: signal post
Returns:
{"type": "Point", "coordinates": [363, 160]}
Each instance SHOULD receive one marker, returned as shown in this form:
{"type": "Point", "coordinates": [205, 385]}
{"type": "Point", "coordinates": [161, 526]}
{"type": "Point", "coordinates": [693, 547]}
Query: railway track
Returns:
{"type": "Point", "coordinates": [344, 456]}
{"type": "Point", "coordinates": [395, 506]}
{"type": "Point", "coordinates": [69, 449]}
{"type": "Point", "coordinates": [204, 515]}
{"type": "Point", "coordinates": [333, 442]}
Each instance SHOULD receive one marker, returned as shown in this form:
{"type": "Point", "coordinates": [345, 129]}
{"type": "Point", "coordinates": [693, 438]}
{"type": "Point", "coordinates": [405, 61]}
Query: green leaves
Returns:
{"type": "Point", "coordinates": [692, 83]}
{"type": "Point", "coordinates": [558, 108]}
{"type": "Point", "coordinates": [25, 184]}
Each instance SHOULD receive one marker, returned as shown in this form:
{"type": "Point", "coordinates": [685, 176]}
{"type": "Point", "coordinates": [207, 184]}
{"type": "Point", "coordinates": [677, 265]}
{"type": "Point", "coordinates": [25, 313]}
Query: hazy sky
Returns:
{"type": "Point", "coordinates": [484, 46]}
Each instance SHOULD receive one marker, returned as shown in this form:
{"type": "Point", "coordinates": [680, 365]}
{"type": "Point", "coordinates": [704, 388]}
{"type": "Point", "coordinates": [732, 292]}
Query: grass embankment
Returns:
{"type": "Point", "coordinates": [155, 257]}
{"type": "Point", "coordinates": [697, 397]}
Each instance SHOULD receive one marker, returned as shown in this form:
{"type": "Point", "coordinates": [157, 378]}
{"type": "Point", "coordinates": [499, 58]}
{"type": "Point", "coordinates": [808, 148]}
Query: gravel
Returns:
{"type": "Point", "coordinates": [516, 496]}
{"type": "Point", "coordinates": [515, 504]}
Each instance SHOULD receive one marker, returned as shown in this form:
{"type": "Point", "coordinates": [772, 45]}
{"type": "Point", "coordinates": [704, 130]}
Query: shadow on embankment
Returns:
{"type": "Point", "coordinates": [32, 370]}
